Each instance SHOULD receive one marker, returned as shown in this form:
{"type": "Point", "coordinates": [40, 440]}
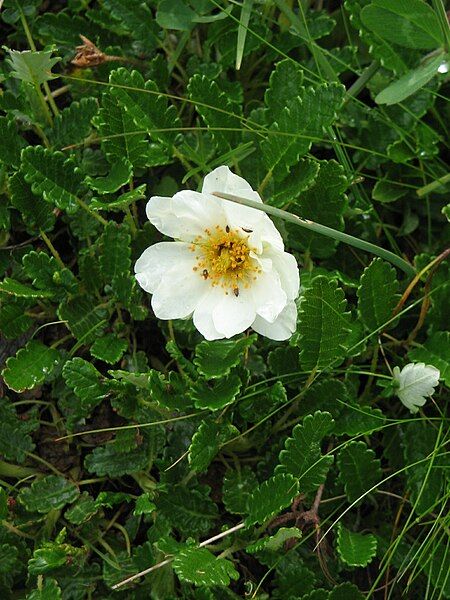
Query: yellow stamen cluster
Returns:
{"type": "Point", "coordinates": [223, 258]}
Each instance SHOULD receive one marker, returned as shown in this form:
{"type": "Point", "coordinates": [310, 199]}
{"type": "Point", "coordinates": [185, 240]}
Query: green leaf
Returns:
{"type": "Point", "coordinates": [109, 460]}
{"type": "Point", "coordinates": [137, 18]}
{"type": "Point", "coordinates": [206, 443]}
{"type": "Point", "coordinates": [191, 511]}
{"type": "Point", "coordinates": [300, 178]}
{"type": "Point", "coordinates": [12, 143]}
{"type": "Point", "coordinates": [386, 191]}
{"type": "Point", "coordinates": [324, 202]}
{"type": "Point", "coordinates": [323, 325]}
{"type": "Point", "coordinates": [52, 176]}
{"type": "Point", "coordinates": [355, 549]}
{"type": "Point", "coordinates": [408, 23]}
{"type": "Point", "coordinates": [411, 82]}
{"type": "Point", "coordinates": [20, 290]}
{"type": "Point", "coordinates": [82, 510]}
{"type": "Point", "coordinates": [121, 137]}
{"type": "Point", "coordinates": [12, 10]}
{"type": "Point", "coordinates": [109, 348]}
{"type": "Point", "coordinates": [174, 14]}
{"type": "Point", "coordinates": [237, 487]}
{"type": "Point", "coordinates": [300, 125]}
{"type": "Point", "coordinates": [302, 455]}
{"type": "Point", "coordinates": [73, 124]}
{"type": "Point", "coordinates": [122, 201]}
{"type": "Point", "coordinates": [15, 439]}
{"type": "Point", "coordinates": [86, 382]}
{"type": "Point", "coordinates": [217, 396]}
{"type": "Point", "coordinates": [285, 84]}
{"type": "Point", "coordinates": [47, 559]}
{"type": "Point", "coordinates": [47, 274]}
{"type": "Point", "coordinates": [84, 319]}
{"type": "Point", "coordinates": [51, 492]}
{"type": "Point", "coordinates": [436, 352]}
{"type": "Point", "coordinates": [424, 480]}
{"type": "Point", "coordinates": [275, 543]}
{"type": "Point", "coordinates": [149, 110]}
{"type": "Point", "coordinates": [377, 294]}
{"type": "Point", "coordinates": [31, 66]}
{"type": "Point", "coordinates": [30, 367]}
{"type": "Point", "coordinates": [200, 567]}
{"type": "Point", "coordinates": [293, 578]}
{"type": "Point", "coordinates": [144, 505]}
{"type": "Point", "coordinates": [359, 469]}
{"type": "Point", "coordinates": [208, 97]}
{"type": "Point", "coordinates": [13, 320]}
{"type": "Point", "coordinates": [37, 214]}
{"type": "Point", "coordinates": [115, 259]}
{"type": "Point", "coordinates": [48, 590]}
{"type": "Point", "coordinates": [216, 359]}
{"type": "Point", "coordinates": [120, 175]}
{"type": "Point", "coordinates": [271, 497]}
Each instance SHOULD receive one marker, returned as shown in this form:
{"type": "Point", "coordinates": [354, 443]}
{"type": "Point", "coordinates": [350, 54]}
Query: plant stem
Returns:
{"type": "Point", "coordinates": [94, 214]}
{"type": "Point", "coordinates": [427, 189]}
{"type": "Point", "coordinates": [323, 230]}
{"type": "Point", "coordinates": [360, 83]}
{"type": "Point", "coordinates": [52, 249]}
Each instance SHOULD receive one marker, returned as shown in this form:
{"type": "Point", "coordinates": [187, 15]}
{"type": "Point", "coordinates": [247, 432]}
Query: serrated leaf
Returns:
{"type": "Point", "coordinates": [207, 98]}
{"type": "Point", "coordinates": [285, 84]}
{"type": "Point", "coordinates": [323, 324]}
{"type": "Point", "coordinates": [36, 213]}
{"type": "Point", "coordinates": [51, 492]}
{"type": "Point", "coordinates": [47, 559]}
{"type": "Point", "coordinates": [174, 14]}
{"type": "Point", "coordinates": [30, 366]}
{"type": "Point", "coordinates": [46, 273]}
{"type": "Point", "coordinates": [414, 383]}
{"type": "Point", "coordinates": [355, 549]}
{"type": "Point", "coordinates": [12, 11]}
{"type": "Point", "coordinates": [12, 143]}
{"type": "Point", "coordinates": [53, 176]}
{"type": "Point", "coordinates": [20, 290]}
{"type": "Point", "coordinates": [15, 441]}
{"type": "Point", "coordinates": [299, 126]}
{"type": "Point", "coordinates": [411, 82]}
{"type": "Point", "coordinates": [323, 202]}
{"type": "Point", "coordinates": [299, 179]}
{"type": "Point", "coordinates": [31, 66]}
{"type": "Point", "coordinates": [359, 469]}
{"type": "Point", "coordinates": [82, 510]}
{"type": "Point", "coordinates": [137, 19]}
{"type": "Point", "coordinates": [115, 259]}
{"type": "Point", "coordinates": [109, 460]}
{"type": "Point", "coordinates": [48, 590]}
{"type": "Point", "coordinates": [217, 396]}
{"type": "Point", "coordinates": [120, 175]}
{"type": "Point", "coordinates": [144, 505]}
{"type": "Point", "coordinates": [84, 319]}
{"type": "Point", "coordinates": [274, 543]}
{"type": "Point", "coordinates": [190, 511]}
{"type": "Point", "coordinates": [73, 123]}
{"type": "Point", "coordinates": [293, 578]}
{"type": "Point", "coordinates": [206, 443]}
{"type": "Point", "coordinates": [121, 137]}
{"type": "Point", "coordinates": [425, 479]}
{"type": "Point", "coordinates": [109, 348]}
{"type": "Point", "coordinates": [237, 487]}
{"type": "Point", "coordinates": [216, 359]}
{"type": "Point", "coordinates": [435, 351]}
{"type": "Point", "coordinates": [271, 497]}
{"type": "Point", "coordinates": [149, 111]}
{"type": "Point", "coordinates": [200, 567]}
{"type": "Point", "coordinates": [377, 294]}
{"type": "Point", "coordinates": [412, 24]}
{"type": "Point", "coordinates": [86, 382]}
{"type": "Point", "coordinates": [302, 455]}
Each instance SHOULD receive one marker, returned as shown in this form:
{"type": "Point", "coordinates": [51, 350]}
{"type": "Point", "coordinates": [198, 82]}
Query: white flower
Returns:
{"type": "Point", "coordinates": [414, 382]}
{"type": "Point", "coordinates": [227, 267]}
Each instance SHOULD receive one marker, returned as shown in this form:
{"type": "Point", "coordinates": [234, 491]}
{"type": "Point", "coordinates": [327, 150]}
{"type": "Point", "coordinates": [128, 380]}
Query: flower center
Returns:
{"type": "Point", "coordinates": [223, 257]}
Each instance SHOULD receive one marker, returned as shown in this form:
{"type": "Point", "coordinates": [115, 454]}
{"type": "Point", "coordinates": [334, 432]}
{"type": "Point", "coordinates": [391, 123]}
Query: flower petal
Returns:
{"type": "Point", "coordinates": [159, 259]}
{"type": "Point", "coordinates": [286, 266]}
{"type": "Point", "coordinates": [186, 215]}
{"type": "Point", "coordinates": [283, 326]}
{"type": "Point", "coordinates": [179, 293]}
{"type": "Point", "coordinates": [268, 296]}
{"type": "Point", "coordinates": [233, 315]}
{"type": "Point", "coordinates": [203, 320]}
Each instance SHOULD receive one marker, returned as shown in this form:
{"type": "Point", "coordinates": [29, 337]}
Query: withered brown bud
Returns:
{"type": "Point", "coordinates": [88, 55]}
